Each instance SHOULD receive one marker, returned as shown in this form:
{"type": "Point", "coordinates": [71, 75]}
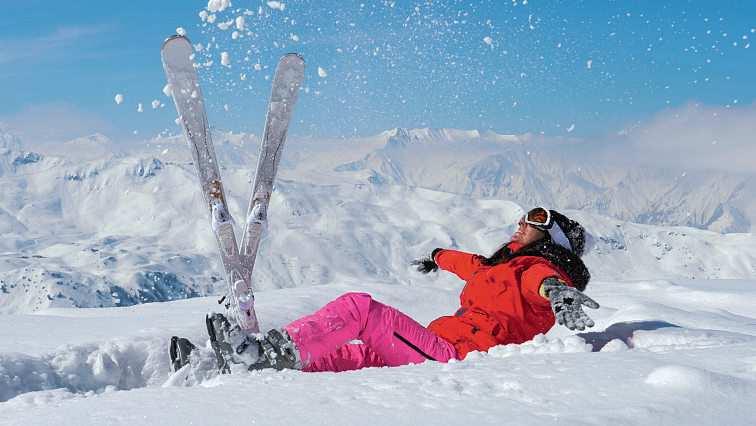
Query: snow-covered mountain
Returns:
{"type": "Point", "coordinates": [533, 170]}
{"type": "Point", "coordinates": [128, 227]}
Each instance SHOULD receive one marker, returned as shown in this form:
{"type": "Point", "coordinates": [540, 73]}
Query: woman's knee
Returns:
{"type": "Point", "coordinates": [356, 297]}
{"type": "Point", "coordinates": [355, 300]}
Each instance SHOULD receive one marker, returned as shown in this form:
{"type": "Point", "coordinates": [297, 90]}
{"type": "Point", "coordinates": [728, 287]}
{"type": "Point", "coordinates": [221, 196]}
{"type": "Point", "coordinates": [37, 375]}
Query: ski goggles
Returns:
{"type": "Point", "coordinates": [539, 218]}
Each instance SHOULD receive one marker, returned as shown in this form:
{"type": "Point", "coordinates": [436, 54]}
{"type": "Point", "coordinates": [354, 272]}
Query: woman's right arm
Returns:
{"type": "Point", "coordinates": [458, 262]}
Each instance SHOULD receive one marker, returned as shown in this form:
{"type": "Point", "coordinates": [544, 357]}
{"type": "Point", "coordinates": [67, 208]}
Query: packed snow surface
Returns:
{"type": "Point", "coordinates": [688, 357]}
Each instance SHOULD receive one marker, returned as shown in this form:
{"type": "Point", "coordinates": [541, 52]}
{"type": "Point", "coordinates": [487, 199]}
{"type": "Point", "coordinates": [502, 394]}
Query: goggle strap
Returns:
{"type": "Point", "coordinates": [558, 236]}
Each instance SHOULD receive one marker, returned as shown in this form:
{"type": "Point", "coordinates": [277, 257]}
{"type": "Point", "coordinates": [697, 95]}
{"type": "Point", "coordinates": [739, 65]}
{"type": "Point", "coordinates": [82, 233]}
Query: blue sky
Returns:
{"type": "Point", "coordinates": [578, 68]}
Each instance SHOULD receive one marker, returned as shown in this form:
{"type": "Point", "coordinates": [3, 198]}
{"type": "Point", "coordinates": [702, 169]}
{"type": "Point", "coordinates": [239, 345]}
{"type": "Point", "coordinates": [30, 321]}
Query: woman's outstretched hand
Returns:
{"type": "Point", "coordinates": [567, 303]}
{"type": "Point", "coordinates": [427, 264]}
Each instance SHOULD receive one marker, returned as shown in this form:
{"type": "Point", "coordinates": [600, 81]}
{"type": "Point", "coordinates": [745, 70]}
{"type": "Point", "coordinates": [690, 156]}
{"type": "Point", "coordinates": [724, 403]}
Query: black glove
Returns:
{"type": "Point", "coordinates": [567, 304]}
{"type": "Point", "coordinates": [427, 264]}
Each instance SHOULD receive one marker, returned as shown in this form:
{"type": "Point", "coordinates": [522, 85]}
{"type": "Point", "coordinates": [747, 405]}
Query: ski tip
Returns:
{"type": "Point", "coordinates": [176, 37]}
{"type": "Point", "coordinates": [293, 55]}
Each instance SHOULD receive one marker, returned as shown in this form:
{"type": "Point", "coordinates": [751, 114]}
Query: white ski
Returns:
{"type": "Point", "coordinates": [288, 78]}
{"type": "Point", "coordinates": [177, 54]}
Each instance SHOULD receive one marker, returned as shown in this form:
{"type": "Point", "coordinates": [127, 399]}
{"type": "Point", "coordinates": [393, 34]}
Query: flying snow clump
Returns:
{"type": "Point", "coordinates": [218, 5]}
{"type": "Point", "coordinates": [225, 59]}
{"type": "Point", "coordinates": [488, 40]}
{"type": "Point", "coordinates": [240, 22]}
{"type": "Point", "coordinates": [322, 73]}
{"type": "Point", "coordinates": [276, 5]}
{"type": "Point", "coordinates": [168, 90]}
{"type": "Point", "coordinates": [140, 108]}
{"type": "Point", "coordinates": [181, 31]}
{"type": "Point", "coordinates": [155, 104]}
{"type": "Point", "coordinates": [118, 99]}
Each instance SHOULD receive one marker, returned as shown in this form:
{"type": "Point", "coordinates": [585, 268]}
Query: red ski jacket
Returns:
{"type": "Point", "coordinates": [500, 304]}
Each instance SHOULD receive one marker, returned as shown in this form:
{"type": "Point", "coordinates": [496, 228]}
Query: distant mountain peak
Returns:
{"type": "Point", "coordinates": [445, 134]}
{"type": "Point", "coordinates": [93, 139]}
{"type": "Point", "coordinates": [8, 140]}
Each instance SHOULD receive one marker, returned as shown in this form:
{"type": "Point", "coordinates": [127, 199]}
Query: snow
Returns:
{"type": "Point", "coordinates": [167, 90]}
{"type": "Point", "coordinates": [118, 99]}
{"type": "Point", "coordinates": [225, 25]}
{"type": "Point", "coordinates": [684, 379]}
{"type": "Point", "coordinates": [322, 72]}
{"type": "Point", "coordinates": [80, 373]}
{"type": "Point", "coordinates": [140, 107]}
{"type": "Point", "coordinates": [349, 215]}
{"type": "Point", "coordinates": [214, 6]}
{"type": "Point", "coordinates": [225, 59]}
{"type": "Point", "coordinates": [488, 40]}
{"type": "Point", "coordinates": [240, 22]}
{"type": "Point", "coordinates": [276, 5]}
{"type": "Point", "coordinates": [155, 104]}
{"type": "Point", "coordinates": [181, 31]}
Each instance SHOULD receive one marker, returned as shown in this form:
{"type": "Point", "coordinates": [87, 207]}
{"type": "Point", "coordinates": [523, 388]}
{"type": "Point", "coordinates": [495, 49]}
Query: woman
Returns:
{"type": "Point", "coordinates": [508, 298]}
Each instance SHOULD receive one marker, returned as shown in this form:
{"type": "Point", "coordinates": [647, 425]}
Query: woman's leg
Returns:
{"type": "Point", "coordinates": [352, 356]}
{"type": "Point", "coordinates": [390, 335]}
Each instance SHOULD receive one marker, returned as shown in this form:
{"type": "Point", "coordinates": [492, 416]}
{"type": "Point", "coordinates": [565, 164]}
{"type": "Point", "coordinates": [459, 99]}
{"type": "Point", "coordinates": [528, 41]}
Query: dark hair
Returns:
{"type": "Point", "coordinates": [559, 256]}
{"type": "Point", "coordinates": [504, 254]}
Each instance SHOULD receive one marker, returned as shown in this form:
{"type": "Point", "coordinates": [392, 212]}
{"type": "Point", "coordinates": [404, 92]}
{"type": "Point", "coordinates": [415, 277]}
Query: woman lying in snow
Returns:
{"type": "Point", "coordinates": [508, 298]}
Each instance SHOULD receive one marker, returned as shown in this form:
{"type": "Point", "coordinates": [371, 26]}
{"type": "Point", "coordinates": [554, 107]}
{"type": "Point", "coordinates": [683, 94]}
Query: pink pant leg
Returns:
{"type": "Point", "coordinates": [352, 356]}
{"type": "Point", "coordinates": [390, 335]}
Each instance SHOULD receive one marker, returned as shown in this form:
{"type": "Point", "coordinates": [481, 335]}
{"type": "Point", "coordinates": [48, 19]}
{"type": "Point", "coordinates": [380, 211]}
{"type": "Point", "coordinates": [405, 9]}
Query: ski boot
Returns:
{"type": "Point", "coordinates": [276, 350]}
{"type": "Point", "coordinates": [180, 350]}
{"type": "Point", "coordinates": [228, 342]}
{"type": "Point", "coordinates": [231, 346]}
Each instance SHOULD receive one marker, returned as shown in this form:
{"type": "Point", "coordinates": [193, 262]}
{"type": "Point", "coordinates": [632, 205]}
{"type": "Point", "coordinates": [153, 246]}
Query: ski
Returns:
{"type": "Point", "coordinates": [177, 54]}
{"type": "Point", "coordinates": [286, 82]}
{"type": "Point", "coordinates": [181, 74]}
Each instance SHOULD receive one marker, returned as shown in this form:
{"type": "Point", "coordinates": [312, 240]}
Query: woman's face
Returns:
{"type": "Point", "coordinates": [527, 234]}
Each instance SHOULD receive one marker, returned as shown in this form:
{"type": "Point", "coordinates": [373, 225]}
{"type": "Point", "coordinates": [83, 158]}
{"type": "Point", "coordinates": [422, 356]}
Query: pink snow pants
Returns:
{"type": "Point", "coordinates": [388, 337]}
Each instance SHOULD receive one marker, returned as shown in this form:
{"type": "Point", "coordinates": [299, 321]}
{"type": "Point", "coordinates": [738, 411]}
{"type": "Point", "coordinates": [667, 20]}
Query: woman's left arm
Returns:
{"type": "Point", "coordinates": [542, 285]}
{"type": "Point", "coordinates": [532, 279]}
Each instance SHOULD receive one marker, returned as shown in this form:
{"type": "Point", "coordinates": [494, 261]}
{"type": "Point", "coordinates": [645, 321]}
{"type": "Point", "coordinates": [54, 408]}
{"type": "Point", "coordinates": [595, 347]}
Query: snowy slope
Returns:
{"type": "Point", "coordinates": [664, 352]}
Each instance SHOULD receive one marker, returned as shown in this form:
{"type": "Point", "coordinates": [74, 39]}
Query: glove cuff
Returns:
{"type": "Point", "coordinates": [549, 284]}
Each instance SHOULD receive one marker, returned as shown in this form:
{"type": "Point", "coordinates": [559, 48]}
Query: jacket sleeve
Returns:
{"type": "Point", "coordinates": [531, 279]}
{"type": "Point", "coordinates": [458, 262]}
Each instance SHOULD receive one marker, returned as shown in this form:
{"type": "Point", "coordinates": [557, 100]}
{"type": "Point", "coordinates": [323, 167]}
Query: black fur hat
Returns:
{"type": "Point", "coordinates": [568, 233]}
